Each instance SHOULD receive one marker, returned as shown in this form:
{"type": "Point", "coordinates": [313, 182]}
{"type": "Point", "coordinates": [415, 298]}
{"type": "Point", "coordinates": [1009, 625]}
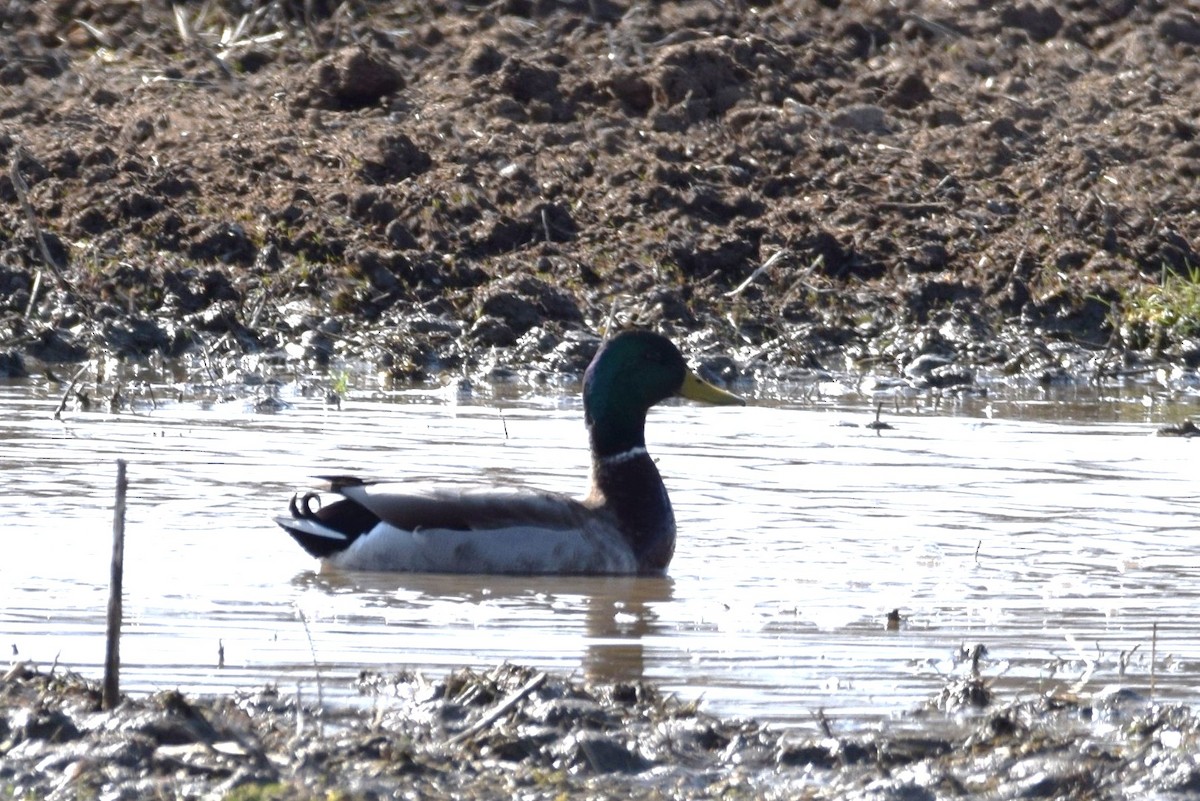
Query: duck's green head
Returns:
{"type": "Point", "coordinates": [633, 371]}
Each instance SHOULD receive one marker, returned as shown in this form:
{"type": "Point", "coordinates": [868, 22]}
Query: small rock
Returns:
{"type": "Point", "coordinates": [352, 78]}
{"type": "Point", "coordinates": [720, 369]}
{"type": "Point", "coordinates": [11, 366]}
{"type": "Point", "coordinates": [400, 237]}
{"type": "Point", "coordinates": [492, 332]}
{"type": "Point", "coordinates": [51, 725]}
{"type": "Point", "coordinates": [398, 158]}
{"type": "Point", "coordinates": [135, 336]}
{"type": "Point", "coordinates": [379, 268]}
{"type": "Point", "coordinates": [1179, 28]}
{"type": "Point", "coordinates": [910, 92]}
{"type": "Point", "coordinates": [55, 347]}
{"type": "Point", "coordinates": [253, 59]}
{"type": "Point", "coordinates": [226, 242]}
{"type": "Point", "coordinates": [483, 59]}
{"type": "Point", "coordinates": [601, 753]}
{"type": "Point", "coordinates": [517, 312]}
{"type": "Point", "coordinates": [864, 118]}
{"type": "Point", "coordinates": [631, 90]}
{"type": "Point", "coordinates": [1185, 429]}
{"type": "Point", "coordinates": [526, 83]}
{"type": "Point", "coordinates": [701, 78]}
{"type": "Point", "coordinates": [105, 97]}
{"type": "Point", "coordinates": [1040, 22]}
{"type": "Point", "coordinates": [922, 366]}
{"type": "Point", "coordinates": [12, 74]}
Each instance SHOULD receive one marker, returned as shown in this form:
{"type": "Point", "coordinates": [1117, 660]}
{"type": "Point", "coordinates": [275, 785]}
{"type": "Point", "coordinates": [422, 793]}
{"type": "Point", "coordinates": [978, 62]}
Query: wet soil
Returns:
{"type": "Point", "coordinates": [454, 188]}
{"type": "Point", "coordinates": [515, 732]}
{"type": "Point", "coordinates": [926, 189]}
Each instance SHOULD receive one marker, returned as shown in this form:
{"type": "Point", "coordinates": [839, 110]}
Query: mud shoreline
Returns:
{"type": "Point", "coordinates": [517, 731]}
{"type": "Point", "coordinates": [453, 189]}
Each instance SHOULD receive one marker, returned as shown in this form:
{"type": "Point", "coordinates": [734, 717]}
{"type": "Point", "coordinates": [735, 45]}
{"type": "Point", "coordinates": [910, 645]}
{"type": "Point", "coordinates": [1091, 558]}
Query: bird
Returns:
{"type": "Point", "coordinates": [624, 526]}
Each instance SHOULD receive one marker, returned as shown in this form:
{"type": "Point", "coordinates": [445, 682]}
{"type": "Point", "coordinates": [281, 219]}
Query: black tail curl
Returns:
{"type": "Point", "coordinates": [342, 517]}
{"type": "Point", "coordinates": [304, 509]}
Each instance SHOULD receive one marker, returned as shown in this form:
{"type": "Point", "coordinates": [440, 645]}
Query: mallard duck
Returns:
{"type": "Point", "coordinates": [624, 526]}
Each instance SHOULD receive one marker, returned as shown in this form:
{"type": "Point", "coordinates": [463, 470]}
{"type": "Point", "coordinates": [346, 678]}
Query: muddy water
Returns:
{"type": "Point", "coordinates": [1055, 529]}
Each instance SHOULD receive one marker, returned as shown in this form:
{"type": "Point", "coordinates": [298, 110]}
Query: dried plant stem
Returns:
{"type": "Point", "coordinates": [500, 710]}
{"type": "Point", "coordinates": [112, 650]}
{"type": "Point", "coordinates": [22, 192]}
{"type": "Point", "coordinates": [312, 649]}
{"type": "Point", "coordinates": [1153, 657]}
{"type": "Point", "coordinates": [33, 294]}
{"type": "Point", "coordinates": [62, 404]}
{"type": "Point", "coordinates": [740, 288]}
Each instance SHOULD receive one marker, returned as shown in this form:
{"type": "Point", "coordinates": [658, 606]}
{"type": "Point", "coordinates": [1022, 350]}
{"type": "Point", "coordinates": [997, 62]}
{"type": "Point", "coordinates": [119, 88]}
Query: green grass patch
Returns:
{"type": "Point", "coordinates": [1168, 310]}
{"type": "Point", "coordinates": [261, 792]}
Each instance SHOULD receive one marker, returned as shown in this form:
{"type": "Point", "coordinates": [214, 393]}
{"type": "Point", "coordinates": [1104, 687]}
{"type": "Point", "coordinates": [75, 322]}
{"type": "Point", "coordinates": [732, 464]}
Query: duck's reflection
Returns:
{"type": "Point", "coordinates": [619, 613]}
{"type": "Point", "coordinates": [618, 621]}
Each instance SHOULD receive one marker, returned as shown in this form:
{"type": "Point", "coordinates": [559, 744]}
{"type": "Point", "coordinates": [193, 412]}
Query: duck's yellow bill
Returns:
{"type": "Point", "coordinates": [697, 389]}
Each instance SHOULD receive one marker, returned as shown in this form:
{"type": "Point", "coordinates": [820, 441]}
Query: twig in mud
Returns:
{"type": "Point", "coordinates": [112, 650]}
{"type": "Point", "coordinates": [22, 191]}
{"type": "Point", "coordinates": [309, 27]}
{"type": "Point", "coordinates": [1153, 657]}
{"type": "Point", "coordinates": [258, 310]}
{"type": "Point", "coordinates": [206, 352]}
{"type": "Point", "coordinates": [893, 620]}
{"type": "Point", "coordinates": [99, 34]}
{"type": "Point", "coordinates": [1089, 665]}
{"type": "Point", "coordinates": [608, 324]}
{"type": "Point", "coordinates": [802, 280]}
{"type": "Point", "coordinates": [877, 425]}
{"type": "Point", "coordinates": [62, 404]}
{"type": "Point", "coordinates": [182, 26]}
{"type": "Point", "coordinates": [299, 711]}
{"type": "Point", "coordinates": [500, 710]}
{"type": "Point", "coordinates": [312, 649]}
{"type": "Point", "coordinates": [190, 40]}
{"type": "Point", "coordinates": [825, 724]}
{"type": "Point", "coordinates": [766, 265]}
{"type": "Point", "coordinates": [1125, 658]}
{"type": "Point", "coordinates": [934, 27]}
{"type": "Point", "coordinates": [764, 347]}
{"type": "Point", "coordinates": [977, 655]}
{"type": "Point", "coordinates": [33, 293]}
{"type": "Point", "coordinates": [546, 226]}
{"type": "Point", "coordinates": [220, 63]}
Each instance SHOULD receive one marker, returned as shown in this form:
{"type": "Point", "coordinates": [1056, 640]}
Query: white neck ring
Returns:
{"type": "Point", "coordinates": [625, 456]}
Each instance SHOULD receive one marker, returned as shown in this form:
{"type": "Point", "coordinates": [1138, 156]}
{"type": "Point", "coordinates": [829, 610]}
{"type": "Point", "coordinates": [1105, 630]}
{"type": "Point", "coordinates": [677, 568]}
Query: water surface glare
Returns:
{"type": "Point", "coordinates": [1059, 545]}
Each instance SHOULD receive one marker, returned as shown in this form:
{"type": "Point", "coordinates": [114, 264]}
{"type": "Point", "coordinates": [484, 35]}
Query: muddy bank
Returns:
{"type": "Point", "coordinates": [515, 731]}
{"type": "Point", "coordinates": [454, 188]}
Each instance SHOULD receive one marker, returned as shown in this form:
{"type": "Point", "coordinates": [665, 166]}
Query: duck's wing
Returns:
{"type": "Point", "coordinates": [394, 526]}
{"type": "Point", "coordinates": [402, 506]}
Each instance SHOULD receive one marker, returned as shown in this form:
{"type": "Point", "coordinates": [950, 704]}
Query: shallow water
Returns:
{"type": "Point", "coordinates": [1054, 528]}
